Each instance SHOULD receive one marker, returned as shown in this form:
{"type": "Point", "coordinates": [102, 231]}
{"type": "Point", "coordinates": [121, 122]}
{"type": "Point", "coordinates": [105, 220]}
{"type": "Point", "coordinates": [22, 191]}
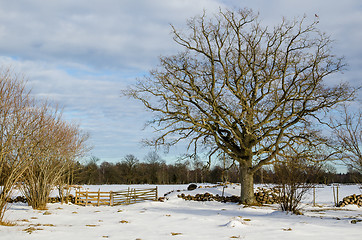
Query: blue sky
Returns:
{"type": "Point", "coordinates": [82, 53]}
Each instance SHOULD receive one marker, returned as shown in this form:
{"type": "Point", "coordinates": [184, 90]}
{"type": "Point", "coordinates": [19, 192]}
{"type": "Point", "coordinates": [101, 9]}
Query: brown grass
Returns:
{"type": "Point", "coordinates": [30, 230]}
{"type": "Point", "coordinates": [175, 233]}
{"type": "Point", "coordinates": [45, 225]}
{"type": "Point", "coordinates": [7, 223]}
{"type": "Point", "coordinates": [23, 220]}
{"type": "Point", "coordinates": [91, 225]}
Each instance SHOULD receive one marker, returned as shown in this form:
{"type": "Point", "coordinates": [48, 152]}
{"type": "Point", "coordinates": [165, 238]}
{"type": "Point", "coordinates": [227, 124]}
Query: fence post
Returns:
{"type": "Point", "coordinates": [98, 196]}
{"type": "Point", "coordinates": [76, 197]}
{"type": "Point", "coordinates": [156, 194]}
{"type": "Point", "coordinates": [61, 194]}
{"type": "Point", "coordinates": [110, 198]}
{"type": "Point", "coordinates": [337, 194]}
{"type": "Point", "coordinates": [86, 198]}
{"type": "Point", "coordinates": [128, 197]}
{"type": "Point", "coordinates": [313, 196]}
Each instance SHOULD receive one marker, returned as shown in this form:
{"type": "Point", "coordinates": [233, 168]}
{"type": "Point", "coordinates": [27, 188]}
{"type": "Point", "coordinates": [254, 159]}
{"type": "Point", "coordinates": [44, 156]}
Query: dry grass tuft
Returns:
{"type": "Point", "coordinates": [23, 220]}
{"type": "Point", "coordinates": [30, 230]}
{"type": "Point", "coordinates": [91, 225]}
{"type": "Point", "coordinates": [49, 225]}
{"type": "Point", "coordinates": [175, 233]}
{"type": "Point", "coordinates": [39, 224]}
{"type": "Point", "coordinates": [123, 221]}
{"type": "Point", "coordinates": [7, 223]}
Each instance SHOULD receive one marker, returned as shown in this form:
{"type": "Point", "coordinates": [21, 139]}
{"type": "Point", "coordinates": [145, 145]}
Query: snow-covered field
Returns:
{"type": "Point", "coordinates": [180, 219]}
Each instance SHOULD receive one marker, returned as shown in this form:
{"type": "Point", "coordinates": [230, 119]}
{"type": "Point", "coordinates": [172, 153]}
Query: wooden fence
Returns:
{"type": "Point", "coordinates": [124, 197]}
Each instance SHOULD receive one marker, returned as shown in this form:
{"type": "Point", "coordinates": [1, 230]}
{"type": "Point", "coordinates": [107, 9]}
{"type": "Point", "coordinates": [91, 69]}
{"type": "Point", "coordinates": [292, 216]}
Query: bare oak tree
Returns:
{"type": "Point", "coordinates": [130, 162]}
{"type": "Point", "coordinates": [348, 137]}
{"type": "Point", "coordinates": [242, 88]}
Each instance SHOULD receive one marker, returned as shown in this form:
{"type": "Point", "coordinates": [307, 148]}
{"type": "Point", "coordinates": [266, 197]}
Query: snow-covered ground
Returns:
{"type": "Point", "coordinates": [179, 219]}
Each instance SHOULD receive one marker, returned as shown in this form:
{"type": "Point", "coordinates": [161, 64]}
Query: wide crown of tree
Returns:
{"type": "Point", "coordinates": [242, 88]}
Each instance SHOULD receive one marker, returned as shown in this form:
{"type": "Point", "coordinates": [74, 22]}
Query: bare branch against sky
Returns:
{"type": "Point", "coordinates": [82, 53]}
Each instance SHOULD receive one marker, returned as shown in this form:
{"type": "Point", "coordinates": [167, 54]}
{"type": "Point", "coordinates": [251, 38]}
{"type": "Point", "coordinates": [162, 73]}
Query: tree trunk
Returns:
{"type": "Point", "coordinates": [247, 185]}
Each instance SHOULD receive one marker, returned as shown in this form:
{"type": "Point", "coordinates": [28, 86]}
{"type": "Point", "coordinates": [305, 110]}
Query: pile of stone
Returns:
{"type": "Point", "coordinates": [20, 199]}
{"type": "Point", "coordinates": [209, 197]}
{"type": "Point", "coordinates": [267, 196]}
{"type": "Point", "coordinates": [23, 199]}
{"type": "Point", "coordinates": [262, 196]}
{"type": "Point", "coordinates": [353, 199]}
{"type": "Point", "coordinates": [69, 199]}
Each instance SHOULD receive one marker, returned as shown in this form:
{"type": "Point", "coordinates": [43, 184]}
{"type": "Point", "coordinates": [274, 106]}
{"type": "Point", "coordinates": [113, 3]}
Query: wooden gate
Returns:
{"type": "Point", "coordinates": [124, 197]}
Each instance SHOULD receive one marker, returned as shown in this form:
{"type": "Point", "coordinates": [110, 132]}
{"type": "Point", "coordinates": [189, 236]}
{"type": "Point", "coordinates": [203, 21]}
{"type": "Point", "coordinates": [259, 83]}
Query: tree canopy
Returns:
{"type": "Point", "coordinates": [248, 90]}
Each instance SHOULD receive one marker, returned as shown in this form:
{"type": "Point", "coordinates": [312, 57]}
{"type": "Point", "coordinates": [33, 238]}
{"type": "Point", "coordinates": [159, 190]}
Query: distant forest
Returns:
{"type": "Point", "coordinates": [155, 171]}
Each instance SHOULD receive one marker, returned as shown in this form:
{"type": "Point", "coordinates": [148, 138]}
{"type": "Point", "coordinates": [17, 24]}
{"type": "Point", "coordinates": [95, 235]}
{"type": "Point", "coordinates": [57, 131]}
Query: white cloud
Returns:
{"type": "Point", "coordinates": [104, 34]}
{"type": "Point", "coordinates": [82, 53]}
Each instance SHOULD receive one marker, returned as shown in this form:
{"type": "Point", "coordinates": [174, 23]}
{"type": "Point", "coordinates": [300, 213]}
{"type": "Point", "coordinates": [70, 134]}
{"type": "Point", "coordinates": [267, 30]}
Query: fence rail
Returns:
{"type": "Point", "coordinates": [124, 197]}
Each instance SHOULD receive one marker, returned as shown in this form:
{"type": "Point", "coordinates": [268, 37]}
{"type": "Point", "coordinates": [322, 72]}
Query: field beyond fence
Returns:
{"type": "Point", "coordinates": [114, 198]}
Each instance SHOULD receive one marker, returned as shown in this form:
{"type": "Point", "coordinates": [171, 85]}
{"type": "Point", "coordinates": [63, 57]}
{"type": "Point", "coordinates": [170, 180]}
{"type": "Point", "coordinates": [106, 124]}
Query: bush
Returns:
{"type": "Point", "coordinates": [296, 177]}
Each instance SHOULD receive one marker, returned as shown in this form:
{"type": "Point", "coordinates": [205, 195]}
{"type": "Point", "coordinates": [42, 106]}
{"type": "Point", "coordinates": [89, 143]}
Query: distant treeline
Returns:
{"type": "Point", "coordinates": [131, 171]}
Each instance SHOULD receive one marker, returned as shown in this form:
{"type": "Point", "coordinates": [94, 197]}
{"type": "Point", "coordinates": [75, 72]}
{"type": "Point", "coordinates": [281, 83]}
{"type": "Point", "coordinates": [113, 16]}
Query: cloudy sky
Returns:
{"type": "Point", "coordinates": [82, 53]}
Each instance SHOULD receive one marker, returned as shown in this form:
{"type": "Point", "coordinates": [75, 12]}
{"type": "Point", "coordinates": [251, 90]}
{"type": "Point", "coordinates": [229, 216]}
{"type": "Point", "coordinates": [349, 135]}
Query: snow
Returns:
{"type": "Point", "coordinates": [179, 219]}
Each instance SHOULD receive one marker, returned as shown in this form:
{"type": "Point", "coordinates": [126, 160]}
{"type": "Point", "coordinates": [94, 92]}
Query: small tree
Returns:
{"type": "Point", "coordinates": [242, 88]}
{"type": "Point", "coordinates": [17, 135]}
{"type": "Point", "coordinates": [347, 134]}
{"type": "Point", "coordinates": [296, 174]}
{"type": "Point", "coordinates": [156, 171]}
{"type": "Point", "coordinates": [60, 143]}
{"type": "Point", "coordinates": [130, 162]}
